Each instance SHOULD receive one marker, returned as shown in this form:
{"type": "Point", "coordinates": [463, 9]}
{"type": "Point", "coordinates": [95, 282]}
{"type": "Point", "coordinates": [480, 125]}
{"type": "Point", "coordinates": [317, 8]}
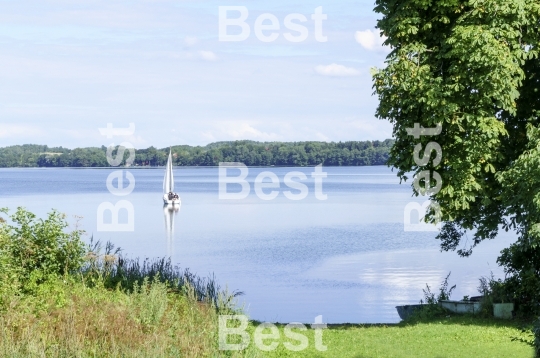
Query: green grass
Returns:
{"type": "Point", "coordinates": [71, 320]}
{"type": "Point", "coordinates": [456, 336]}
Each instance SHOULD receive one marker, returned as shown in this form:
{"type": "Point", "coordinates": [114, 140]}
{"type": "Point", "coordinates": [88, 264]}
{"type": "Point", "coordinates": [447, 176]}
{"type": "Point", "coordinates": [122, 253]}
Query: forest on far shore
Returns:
{"type": "Point", "coordinates": [250, 153]}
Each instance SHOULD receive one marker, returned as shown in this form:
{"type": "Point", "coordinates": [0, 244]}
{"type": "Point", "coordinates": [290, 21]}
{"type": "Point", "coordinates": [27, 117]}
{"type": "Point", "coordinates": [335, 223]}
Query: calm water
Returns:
{"type": "Point", "coordinates": [346, 258]}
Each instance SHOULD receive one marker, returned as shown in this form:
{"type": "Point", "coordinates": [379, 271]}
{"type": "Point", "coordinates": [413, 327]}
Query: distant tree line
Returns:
{"type": "Point", "coordinates": [248, 152]}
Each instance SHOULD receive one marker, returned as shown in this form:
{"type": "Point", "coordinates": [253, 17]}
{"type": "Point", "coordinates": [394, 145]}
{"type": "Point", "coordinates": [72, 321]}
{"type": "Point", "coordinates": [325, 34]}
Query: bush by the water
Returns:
{"type": "Point", "coordinates": [431, 302]}
{"type": "Point", "coordinates": [62, 298]}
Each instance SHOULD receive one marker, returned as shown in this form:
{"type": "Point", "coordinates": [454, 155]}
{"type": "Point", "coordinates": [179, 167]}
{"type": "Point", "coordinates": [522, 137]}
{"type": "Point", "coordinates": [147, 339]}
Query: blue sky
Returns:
{"type": "Point", "coordinates": [68, 68]}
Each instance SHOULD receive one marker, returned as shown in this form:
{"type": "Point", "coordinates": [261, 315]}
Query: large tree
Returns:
{"type": "Point", "coordinates": [472, 68]}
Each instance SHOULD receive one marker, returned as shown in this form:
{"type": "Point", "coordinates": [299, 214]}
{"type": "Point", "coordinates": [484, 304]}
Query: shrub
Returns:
{"type": "Point", "coordinates": [521, 262]}
{"type": "Point", "coordinates": [149, 302]}
{"type": "Point", "coordinates": [493, 291]}
{"type": "Point", "coordinates": [536, 333]}
{"type": "Point", "coordinates": [34, 251]}
{"type": "Point", "coordinates": [444, 292]}
{"type": "Point", "coordinates": [432, 308]}
{"type": "Point", "coordinates": [42, 246]}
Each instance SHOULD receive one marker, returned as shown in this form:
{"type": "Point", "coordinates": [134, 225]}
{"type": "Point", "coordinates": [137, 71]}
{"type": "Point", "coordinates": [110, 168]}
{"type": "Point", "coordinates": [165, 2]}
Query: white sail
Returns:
{"type": "Point", "coordinates": [171, 178]}
{"type": "Point", "coordinates": [168, 182]}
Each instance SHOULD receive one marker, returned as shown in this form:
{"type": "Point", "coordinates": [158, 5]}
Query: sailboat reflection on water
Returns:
{"type": "Point", "coordinates": [169, 214]}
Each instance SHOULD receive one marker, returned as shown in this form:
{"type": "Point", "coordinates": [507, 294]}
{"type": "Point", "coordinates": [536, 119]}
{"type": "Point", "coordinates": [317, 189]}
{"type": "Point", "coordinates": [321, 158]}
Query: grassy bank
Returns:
{"type": "Point", "coordinates": [71, 320]}
{"type": "Point", "coordinates": [68, 319]}
{"type": "Point", "coordinates": [456, 336]}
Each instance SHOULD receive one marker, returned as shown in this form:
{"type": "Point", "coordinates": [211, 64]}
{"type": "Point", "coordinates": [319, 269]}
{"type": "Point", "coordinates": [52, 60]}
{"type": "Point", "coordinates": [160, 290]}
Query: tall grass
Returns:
{"type": "Point", "coordinates": [98, 322]}
{"type": "Point", "coordinates": [117, 271]}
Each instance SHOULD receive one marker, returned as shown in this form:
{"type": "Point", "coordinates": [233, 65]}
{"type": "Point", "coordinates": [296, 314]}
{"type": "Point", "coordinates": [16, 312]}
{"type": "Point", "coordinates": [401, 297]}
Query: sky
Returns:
{"type": "Point", "coordinates": [67, 68]}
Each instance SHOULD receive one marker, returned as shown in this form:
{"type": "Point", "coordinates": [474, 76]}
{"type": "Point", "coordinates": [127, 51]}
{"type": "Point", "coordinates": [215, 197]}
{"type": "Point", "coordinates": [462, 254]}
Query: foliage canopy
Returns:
{"type": "Point", "coordinates": [471, 66]}
{"type": "Point", "coordinates": [251, 153]}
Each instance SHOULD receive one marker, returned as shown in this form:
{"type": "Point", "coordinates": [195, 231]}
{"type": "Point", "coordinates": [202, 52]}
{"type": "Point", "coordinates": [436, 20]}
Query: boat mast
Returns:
{"type": "Point", "coordinates": [167, 179]}
{"type": "Point", "coordinates": [170, 169]}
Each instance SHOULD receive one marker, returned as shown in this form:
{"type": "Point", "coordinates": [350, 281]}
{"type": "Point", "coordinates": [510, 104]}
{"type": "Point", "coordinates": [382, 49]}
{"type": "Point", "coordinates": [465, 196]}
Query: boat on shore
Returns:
{"type": "Point", "coordinates": [407, 311]}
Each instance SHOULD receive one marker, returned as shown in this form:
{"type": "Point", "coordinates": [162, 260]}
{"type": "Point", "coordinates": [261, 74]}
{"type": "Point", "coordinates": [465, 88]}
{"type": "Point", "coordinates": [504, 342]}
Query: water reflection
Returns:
{"type": "Point", "coordinates": [170, 212]}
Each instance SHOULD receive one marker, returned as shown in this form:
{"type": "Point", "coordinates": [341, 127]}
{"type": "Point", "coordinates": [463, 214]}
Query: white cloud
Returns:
{"type": "Point", "coordinates": [199, 55]}
{"type": "Point", "coordinates": [191, 40]}
{"type": "Point", "coordinates": [208, 137]}
{"type": "Point", "coordinates": [241, 130]}
{"type": "Point", "coordinates": [370, 40]}
{"type": "Point", "coordinates": [336, 70]}
{"type": "Point", "coordinates": [207, 55]}
{"type": "Point", "coordinates": [322, 137]}
{"type": "Point", "coordinates": [10, 131]}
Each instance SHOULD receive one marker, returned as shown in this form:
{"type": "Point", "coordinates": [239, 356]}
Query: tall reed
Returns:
{"type": "Point", "coordinates": [117, 271]}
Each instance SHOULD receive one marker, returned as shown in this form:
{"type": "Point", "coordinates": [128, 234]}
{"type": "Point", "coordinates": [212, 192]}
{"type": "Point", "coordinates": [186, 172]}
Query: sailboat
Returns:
{"type": "Point", "coordinates": [169, 196]}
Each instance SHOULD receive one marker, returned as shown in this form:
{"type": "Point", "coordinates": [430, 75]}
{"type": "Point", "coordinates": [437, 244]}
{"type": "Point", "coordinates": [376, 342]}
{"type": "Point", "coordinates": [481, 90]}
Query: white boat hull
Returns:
{"type": "Point", "coordinates": [171, 202]}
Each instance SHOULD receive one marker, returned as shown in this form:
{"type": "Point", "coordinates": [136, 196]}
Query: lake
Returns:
{"type": "Point", "coordinates": [346, 258]}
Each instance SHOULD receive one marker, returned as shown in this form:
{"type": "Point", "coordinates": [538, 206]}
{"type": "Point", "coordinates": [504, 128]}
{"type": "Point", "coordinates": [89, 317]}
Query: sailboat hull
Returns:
{"type": "Point", "coordinates": [171, 202]}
